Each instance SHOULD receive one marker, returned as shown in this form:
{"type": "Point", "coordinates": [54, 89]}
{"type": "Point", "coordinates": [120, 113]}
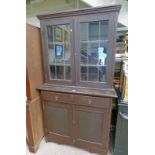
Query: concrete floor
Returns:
{"type": "Point", "coordinates": [57, 149]}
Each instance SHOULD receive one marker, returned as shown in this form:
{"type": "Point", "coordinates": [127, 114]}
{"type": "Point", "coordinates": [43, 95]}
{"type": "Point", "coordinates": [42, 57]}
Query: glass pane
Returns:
{"type": "Point", "coordinates": [92, 74]}
{"type": "Point", "coordinates": [93, 50]}
{"type": "Point", "coordinates": [59, 51]}
{"type": "Point", "coordinates": [51, 53]}
{"type": "Point", "coordinates": [60, 72]}
{"type": "Point", "coordinates": [102, 73]}
{"type": "Point", "coordinates": [68, 73]}
{"type": "Point", "coordinates": [52, 71]}
{"type": "Point", "coordinates": [50, 33]}
{"type": "Point", "coordinates": [93, 56]}
{"type": "Point", "coordinates": [94, 30]}
{"type": "Point", "coordinates": [67, 48]}
{"type": "Point", "coordinates": [84, 56]}
{"type": "Point", "coordinates": [102, 53]}
{"type": "Point", "coordinates": [104, 30]}
{"type": "Point", "coordinates": [84, 31]}
{"type": "Point", "coordinates": [84, 73]}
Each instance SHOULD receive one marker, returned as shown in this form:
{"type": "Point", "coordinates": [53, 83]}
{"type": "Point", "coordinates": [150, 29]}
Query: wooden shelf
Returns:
{"type": "Point", "coordinates": [93, 41]}
{"type": "Point", "coordinates": [91, 65]}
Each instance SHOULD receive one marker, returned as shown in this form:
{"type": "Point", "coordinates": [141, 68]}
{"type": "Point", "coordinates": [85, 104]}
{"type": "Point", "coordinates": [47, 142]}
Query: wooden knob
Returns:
{"type": "Point", "coordinates": [89, 101]}
{"type": "Point", "coordinates": [56, 98]}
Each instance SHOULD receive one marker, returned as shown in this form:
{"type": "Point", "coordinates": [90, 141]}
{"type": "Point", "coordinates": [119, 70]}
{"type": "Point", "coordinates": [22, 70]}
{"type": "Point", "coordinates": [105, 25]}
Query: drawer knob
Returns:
{"type": "Point", "coordinates": [73, 141]}
{"type": "Point", "coordinates": [56, 98]}
{"type": "Point", "coordinates": [89, 101]}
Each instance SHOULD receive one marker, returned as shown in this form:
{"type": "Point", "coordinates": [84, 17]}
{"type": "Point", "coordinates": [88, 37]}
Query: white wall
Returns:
{"type": "Point", "coordinates": [123, 15]}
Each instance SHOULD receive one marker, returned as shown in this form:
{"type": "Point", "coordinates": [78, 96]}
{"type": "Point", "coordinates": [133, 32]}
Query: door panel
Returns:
{"type": "Point", "coordinates": [91, 127]}
{"type": "Point", "coordinates": [58, 122]}
{"type": "Point", "coordinates": [59, 49]}
{"type": "Point", "coordinates": [93, 50]}
{"type": "Point", "coordinates": [87, 128]}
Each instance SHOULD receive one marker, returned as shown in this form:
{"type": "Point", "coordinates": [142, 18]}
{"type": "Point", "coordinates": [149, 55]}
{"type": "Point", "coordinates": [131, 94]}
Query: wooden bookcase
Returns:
{"type": "Point", "coordinates": [79, 59]}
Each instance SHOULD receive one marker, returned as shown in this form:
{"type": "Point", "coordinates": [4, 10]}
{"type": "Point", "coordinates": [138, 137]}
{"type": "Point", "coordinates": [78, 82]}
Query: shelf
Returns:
{"type": "Point", "coordinates": [110, 92]}
{"type": "Point", "coordinates": [59, 64]}
{"type": "Point", "coordinates": [58, 42]}
{"type": "Point", "coordinates": [91, 65]}
{"type": "Point", "coordinates": [93, 41]}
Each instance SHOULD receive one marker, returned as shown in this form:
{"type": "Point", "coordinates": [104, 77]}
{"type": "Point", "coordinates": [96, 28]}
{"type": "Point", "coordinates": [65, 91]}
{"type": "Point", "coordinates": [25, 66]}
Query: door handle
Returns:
{"type": "Point", "coordinates": [124, 116]}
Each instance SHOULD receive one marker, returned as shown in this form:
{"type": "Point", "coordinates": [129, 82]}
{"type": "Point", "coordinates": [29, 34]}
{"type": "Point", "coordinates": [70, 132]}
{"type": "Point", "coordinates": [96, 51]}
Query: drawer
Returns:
{"type": "Point", "coordinates": [59, 97]}
{"type": "Point", "coordinates": [94, 101]}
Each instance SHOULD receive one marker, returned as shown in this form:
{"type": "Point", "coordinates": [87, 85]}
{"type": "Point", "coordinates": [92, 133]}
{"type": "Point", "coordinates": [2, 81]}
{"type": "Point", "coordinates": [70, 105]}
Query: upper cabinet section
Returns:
{"type": "Point", "coordinates": [79, 47]}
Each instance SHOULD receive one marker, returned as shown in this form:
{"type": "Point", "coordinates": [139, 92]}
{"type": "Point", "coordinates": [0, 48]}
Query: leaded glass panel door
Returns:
{"type": "Point", "coordinates": [93, 51]}
{"type": "Point", "coordinates": [59, 47]}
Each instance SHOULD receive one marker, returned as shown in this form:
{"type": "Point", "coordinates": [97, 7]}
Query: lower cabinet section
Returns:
{"type": "Point", "coordinates": [82, 124]}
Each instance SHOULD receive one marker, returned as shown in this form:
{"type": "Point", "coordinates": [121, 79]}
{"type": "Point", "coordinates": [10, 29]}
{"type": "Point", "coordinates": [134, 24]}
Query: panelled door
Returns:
{"type": "Point", "coordinates": [91, 128]}
{"type": "Point", "coordinates": [58, 122]}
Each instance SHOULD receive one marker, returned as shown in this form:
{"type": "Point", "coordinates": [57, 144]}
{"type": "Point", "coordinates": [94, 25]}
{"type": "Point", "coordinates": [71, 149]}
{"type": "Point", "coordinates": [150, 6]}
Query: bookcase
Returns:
{"type": "Point", "coordinates": [79, 59]}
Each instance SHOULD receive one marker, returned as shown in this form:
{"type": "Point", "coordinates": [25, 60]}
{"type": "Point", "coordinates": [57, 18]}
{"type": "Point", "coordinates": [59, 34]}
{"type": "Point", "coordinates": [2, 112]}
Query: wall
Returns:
{"type": "Point", "coordinates": [50, 6]}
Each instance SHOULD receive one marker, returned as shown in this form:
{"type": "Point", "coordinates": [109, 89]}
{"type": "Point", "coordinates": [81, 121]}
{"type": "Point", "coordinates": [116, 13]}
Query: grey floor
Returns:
{"type": "Point", "coordinates": [57, 149]}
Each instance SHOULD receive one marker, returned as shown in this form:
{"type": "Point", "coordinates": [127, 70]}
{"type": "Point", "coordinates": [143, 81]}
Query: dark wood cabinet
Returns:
{"type": "Point", "coordinates": [78, 55]}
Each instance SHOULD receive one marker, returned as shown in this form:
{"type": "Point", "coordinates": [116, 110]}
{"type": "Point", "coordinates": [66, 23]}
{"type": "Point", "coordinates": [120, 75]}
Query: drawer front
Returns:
{"type": "Point", "coordinates": [94, 101]}
{"type": "Point", "coordinates": [59, 97]}
{"type": "Point", "coordinates": [76, 99]}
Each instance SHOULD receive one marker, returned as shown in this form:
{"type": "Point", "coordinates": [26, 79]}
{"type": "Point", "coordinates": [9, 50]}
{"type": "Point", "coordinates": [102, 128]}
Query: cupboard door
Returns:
{"type": "Point", "coordinates": [91, 126]}
{"type": "Point", "coordinates": [58, 122]}
{"type": "Point", "coordinates": [94, 48]}
{"type": "Point", "coordinates": [59, 47]}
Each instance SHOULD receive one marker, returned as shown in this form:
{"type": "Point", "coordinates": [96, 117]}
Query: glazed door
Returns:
{"type": "Point", "coordinates": [94, 48]}
{"type": "Point", "coordinates": [91, 128]}
{"type": "Point", "coordinates": [58, 46]}
{"type": "Point", "coordinates": [58, 122]}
